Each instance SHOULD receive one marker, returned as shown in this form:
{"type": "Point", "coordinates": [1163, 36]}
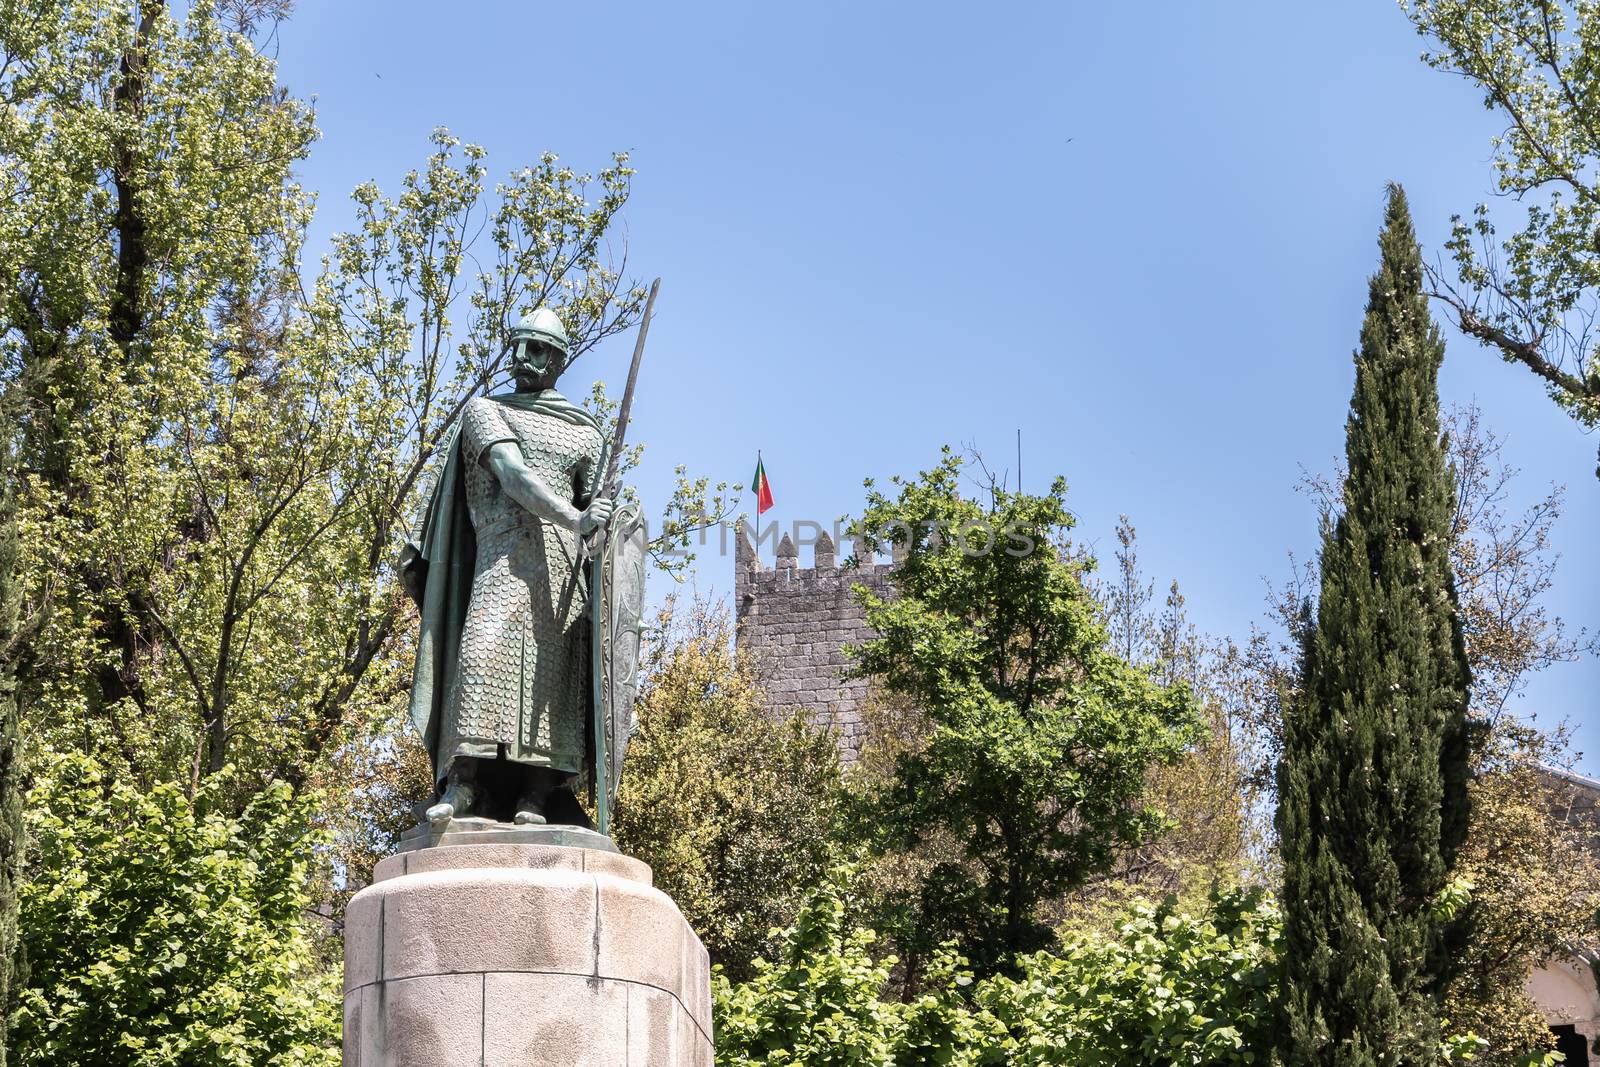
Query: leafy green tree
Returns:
{"type": "Point", "coordinates": [12, 833]}
{"type": "Point", "coordinates": [222, 443]}
{"type": "Point", "coordinates": [162, 931]}
{"type": "Point", "coordinates": [1040, 736]}
{"type": "Point", "coordinates": [145, 191]}
{"type": "Point", "coordinates": [734, 811]}
{"type": "Point", "coordinates": [821, 999]}
{"type": "Point", "coordinates": [224, 457]}
{"type": "Point", "coordinates": [366, 790]}
{"type": "Point", "coordinates": [1166, 985]}
{"type": "Point", "coordinates": [1533, 295]}
{"type": "Point", "coordinates": [12, 844]}
{"type": "Point", "coordinates": [1373, 803]}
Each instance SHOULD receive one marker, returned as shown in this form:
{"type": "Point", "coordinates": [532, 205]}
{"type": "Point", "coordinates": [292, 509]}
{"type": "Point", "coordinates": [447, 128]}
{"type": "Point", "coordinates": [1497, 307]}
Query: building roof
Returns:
{"type": "Point", "coordinates": [1571, 776]}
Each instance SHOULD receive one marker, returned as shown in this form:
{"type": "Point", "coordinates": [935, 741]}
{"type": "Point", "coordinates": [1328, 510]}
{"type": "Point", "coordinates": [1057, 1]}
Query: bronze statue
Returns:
{"type": "Point", "coordinates": [509, 678]}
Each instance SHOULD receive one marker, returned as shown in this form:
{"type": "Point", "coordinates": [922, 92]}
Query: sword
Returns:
{"type": "Point", "coordinates": [594, 546]}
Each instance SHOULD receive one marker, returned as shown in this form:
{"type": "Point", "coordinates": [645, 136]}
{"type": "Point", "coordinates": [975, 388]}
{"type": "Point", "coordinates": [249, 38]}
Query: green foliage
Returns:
{"type": "Point", "coordinates": [820, 1003]}
{"type": "Point", "coordinates": [1040, 736]}
{"type": "Point", "coordinates": [223, 443]}
{"type": "Point", "coordinates": [1533, 294]}
{"type": "Point", "coordinates": [13, 632]}
{"type": "Point", "coordinates": [1373, 803]}
{"type": "Point", "coordinates": [222, 458]}
{"type": "Point", "coordinates": [161, 931]}
{"type": "Point", "coordinates": [1167, 986]}
{"type": "Point", "coordinates": [365, 794]}
{"type": "Point", "coordinates": [196, 517]}
{"type": "Point", "coordinates": [733, 810]}
{"type": "Point", "coordinates": [12, 836]}
{"type": "Point", "coordinates": [1213, 794]}
{"type": "Point", "coordinates": [12, 844]}
{"type": "Point", "coordinates": [1532, 865]}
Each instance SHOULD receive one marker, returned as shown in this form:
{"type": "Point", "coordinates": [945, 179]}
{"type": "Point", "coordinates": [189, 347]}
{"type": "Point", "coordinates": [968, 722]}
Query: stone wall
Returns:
{"type": "Point", "coordinates": [1575, 799]}
{"type": "Point", "coordinates": [797, 620]}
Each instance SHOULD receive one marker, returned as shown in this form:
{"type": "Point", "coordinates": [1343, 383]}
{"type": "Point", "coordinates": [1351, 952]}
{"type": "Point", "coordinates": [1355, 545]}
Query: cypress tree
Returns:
{"type": "Point", "coordinates": [1373, 782]}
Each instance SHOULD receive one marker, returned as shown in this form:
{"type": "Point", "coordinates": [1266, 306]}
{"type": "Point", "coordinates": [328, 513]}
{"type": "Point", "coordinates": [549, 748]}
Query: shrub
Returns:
{"type": "Point", "coordinates": [1168, 986]}
{"type": "Point", "coordinates": [161, 931]}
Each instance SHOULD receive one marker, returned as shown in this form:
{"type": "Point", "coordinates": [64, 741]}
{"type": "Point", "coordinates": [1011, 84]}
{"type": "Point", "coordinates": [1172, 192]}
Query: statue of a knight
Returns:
{"type": "Point", "coordinates": [508, 686]}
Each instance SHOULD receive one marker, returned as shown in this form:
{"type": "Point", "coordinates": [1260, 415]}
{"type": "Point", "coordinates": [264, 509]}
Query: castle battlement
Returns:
{"type": "Point", "coordinates": [797, 620]}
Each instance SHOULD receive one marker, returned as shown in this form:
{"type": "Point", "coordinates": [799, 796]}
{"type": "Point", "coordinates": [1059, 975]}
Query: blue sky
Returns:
{"type": "Point", "coordinates": [1139, 233]}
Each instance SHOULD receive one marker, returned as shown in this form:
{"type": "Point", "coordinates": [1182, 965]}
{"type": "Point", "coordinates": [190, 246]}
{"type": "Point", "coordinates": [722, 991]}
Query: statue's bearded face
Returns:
{"type": "Point", "coordinates": [536, 365]}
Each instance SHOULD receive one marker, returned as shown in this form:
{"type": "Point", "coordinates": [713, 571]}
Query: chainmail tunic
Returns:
{"type": "Point", "coordinates": [522, 687]}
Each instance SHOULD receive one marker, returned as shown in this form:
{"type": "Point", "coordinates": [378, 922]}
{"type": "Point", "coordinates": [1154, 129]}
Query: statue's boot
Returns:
{"type": "Point", "coordinates": [458, 796]}
{"type": "Point", "coordinates": [530, 810]}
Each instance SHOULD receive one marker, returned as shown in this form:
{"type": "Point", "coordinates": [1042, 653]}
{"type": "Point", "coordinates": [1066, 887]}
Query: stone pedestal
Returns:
{"type": "Point", "coordinates": [499, 954]}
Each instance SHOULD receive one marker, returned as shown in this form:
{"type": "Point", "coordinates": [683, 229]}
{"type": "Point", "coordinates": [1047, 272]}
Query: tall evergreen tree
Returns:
{"type": "Point", "coordinates": [1372, 785]}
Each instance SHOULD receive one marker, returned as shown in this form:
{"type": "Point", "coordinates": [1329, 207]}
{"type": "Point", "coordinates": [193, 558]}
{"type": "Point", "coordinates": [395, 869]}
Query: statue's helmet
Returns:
{"type": "Point", "coordinates": [528, 337]}
{"type": "Point", "coordinates": [542, 326]}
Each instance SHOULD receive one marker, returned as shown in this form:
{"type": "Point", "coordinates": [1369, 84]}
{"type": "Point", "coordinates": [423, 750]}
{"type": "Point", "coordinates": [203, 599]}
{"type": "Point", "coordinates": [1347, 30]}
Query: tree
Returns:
{"type": "Point", "coordinates": [12, 832]}
{"type": "Point", "coordinates": [366, 793]}
{"type": "Point", "coordinates": [147, 187]}
{"type": "Point", "coordinates": [1532, 296]}
{"type": "Point", "coordinates": [222, 445]}
{"type": "Point", "coordinates": [1530, 865]}
{"type": "Point", "coordinates": [223, 458]}
{"type": "Point", "coordinates": [734, 811]}
{"type": "Point", "coordinates": [162, 931]}
{"type": "Point", "coordinates": [1535, 882]}
{"type": "Point", "coordinates": [1041, 735]}
{"type": "Point", "coordinates": [1165, 985]}
{"type": "Point", "coordinates": [12, 844]}
{"type": "Point", "coordinates": [1210, 795]}
{"type": "Point", "coordinates": [820, 998]}
{"type": "Point", "coordinates": [1373, 803]}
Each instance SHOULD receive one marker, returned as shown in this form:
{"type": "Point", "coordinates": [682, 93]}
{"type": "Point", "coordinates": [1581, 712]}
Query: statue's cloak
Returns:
{"type": "Point", "coordinates": [445, 559]}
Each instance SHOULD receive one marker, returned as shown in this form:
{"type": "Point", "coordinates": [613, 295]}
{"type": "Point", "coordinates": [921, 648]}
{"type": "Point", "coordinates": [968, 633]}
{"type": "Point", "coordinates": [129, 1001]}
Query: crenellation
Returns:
{"type": "Point", "coordinates": [823, 555]}
{"type": "Point", "coordinates": [788, 558]}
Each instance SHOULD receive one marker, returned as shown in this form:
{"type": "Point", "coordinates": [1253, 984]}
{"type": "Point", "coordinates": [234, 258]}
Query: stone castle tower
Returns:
{"type": "Point", "coordinates": [797, 620]}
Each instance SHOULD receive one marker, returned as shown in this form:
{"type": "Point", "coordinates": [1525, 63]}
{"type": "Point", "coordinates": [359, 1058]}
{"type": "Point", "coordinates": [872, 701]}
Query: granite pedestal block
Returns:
{"type": "Point", "coordinates": [503, 954]}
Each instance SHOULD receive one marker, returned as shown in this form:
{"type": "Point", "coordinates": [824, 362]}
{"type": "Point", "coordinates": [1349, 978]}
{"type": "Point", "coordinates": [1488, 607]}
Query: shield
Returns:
{"type": "Point", "coordinates": [623, 560]}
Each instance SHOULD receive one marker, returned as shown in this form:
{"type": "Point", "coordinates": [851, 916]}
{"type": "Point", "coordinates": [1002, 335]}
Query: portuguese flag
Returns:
{"type": "Point", "coordinates": [761, 487]}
